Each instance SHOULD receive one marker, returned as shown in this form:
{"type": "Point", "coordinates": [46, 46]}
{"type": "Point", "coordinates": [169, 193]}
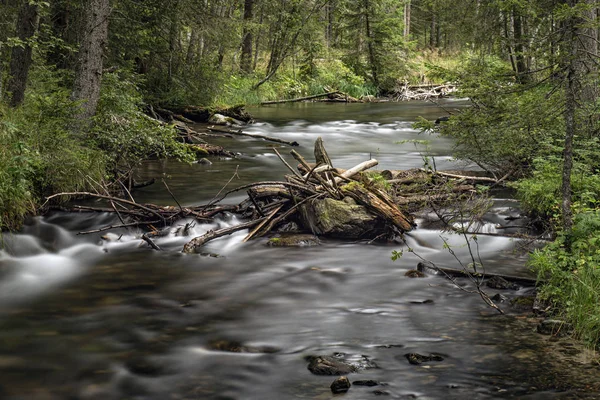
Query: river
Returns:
{"type": "Point", "coordinates": [83, 318]}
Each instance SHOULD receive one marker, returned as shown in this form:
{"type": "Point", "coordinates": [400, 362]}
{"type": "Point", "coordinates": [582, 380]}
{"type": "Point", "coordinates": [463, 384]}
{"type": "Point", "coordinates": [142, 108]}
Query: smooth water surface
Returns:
{"type": "Point", "coordinates": [83, 318]}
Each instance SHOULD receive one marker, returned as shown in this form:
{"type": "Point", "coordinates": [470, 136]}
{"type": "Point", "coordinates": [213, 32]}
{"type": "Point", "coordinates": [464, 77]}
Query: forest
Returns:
{"type": "Point", "coordinates": [78, 78]}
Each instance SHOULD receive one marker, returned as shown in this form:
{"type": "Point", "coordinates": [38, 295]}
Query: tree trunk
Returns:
{"type": "Point", "coordinates": [370, 40]}
{"type": "Point", "coordinates": [20, 61]}
{"type": "Point", "coordinates": [521, 61]}
{"type": "Point", "coordinates": [570, 125]}
{"type": "Point", "coordinates": [246, 59]}
{"type": "Point", "coordinates": [581, 91]}
{"type": "Point", "coordinates": [89, 73]}
{"type": "Point", "coordinates": [406, 19]}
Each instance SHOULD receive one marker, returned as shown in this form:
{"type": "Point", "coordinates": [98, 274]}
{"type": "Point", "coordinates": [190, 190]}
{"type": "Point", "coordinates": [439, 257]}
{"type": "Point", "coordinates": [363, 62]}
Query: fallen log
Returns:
{"type": "Point", "coordinates": [463, 177]}
{"type": "Point", "coordinates": [195, 244]}
{"type": "Point", "coordinates": [426, 266]}
{"type": "Point", "coordinates": [203, 114]}
{"type": "Point", "coordinates": [316, 96]}
{"type": "Point", "coordinates": [240, 133]}
{"type": "Point", "coordinates": [378, 205]}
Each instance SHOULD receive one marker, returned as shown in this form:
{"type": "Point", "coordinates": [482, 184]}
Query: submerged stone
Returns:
{"type": "Point", "coordinates": [416, 358]}
{"type": "Point", "coordinates": [325, 365]}
{"type": "Point", "coordinates": [413, 273]}
{"type": "Point", "coordinates": [497, 282]}
{"type": "Point", "coordinates": [366, 382]}
{"type": "Point", "coordinates": [340, 385]}
{"type": "Point", "coordinates": [294, 241]}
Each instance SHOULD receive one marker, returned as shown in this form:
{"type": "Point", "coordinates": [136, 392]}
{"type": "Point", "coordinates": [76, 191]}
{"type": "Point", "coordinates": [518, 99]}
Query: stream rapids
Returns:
{"type": "Point", "coordinates": [86, 318]}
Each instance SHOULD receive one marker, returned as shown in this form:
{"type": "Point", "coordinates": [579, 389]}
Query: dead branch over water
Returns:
{"type": "Point", "coordinates": [379, 204]}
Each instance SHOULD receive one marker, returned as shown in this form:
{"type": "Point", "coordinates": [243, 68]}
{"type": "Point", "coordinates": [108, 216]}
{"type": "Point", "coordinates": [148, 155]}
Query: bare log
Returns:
{"type": "Point", "coordinates": [321, 156]}
{"type": "Point", "coordinates": [465, 177]}
{"type": "Point", "coordinates": [316, 96]}
{"type": "Point", "coordinates": [110, 198]}
{"type": "Point", "coordinates": [193, 245]}
{"type": "Point", "coordinates": [150, 242]}
{"type": "Point", "coordinates": [378, 205]}
{"type": "Point", "coordinates": [353, 171]}
{"type": "Point", "coordinates": [240, 133]}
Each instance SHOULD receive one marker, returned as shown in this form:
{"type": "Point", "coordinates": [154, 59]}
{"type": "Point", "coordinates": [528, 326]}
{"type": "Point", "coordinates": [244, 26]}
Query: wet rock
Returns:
{"type": "Point", "coordinates": [389, 346]}
{"type": "Point", "coordinates": [340, 385]}
{"type": "Point", "coordinates": [427, 268]}
{"type": "Point", "coordinates": [381, 393]}
{"type": "Point", "coordinates": [204, 161]}
{"type": "Point", "coordinates": [540, 306]}
{"type": "Point", "coordinates": [289, 227]}
{"type": "Point", "coordinates": [413, 273]}
{"type": "Point", "coordinates": [237, 347]}
{"type": "Point", "coordinates": [294, 241]}
{"type": "Point", "coordinates": [325, 365]}
{"type": "Point", "coordinates": [143, 366]}
{"type": "Point", "coordinates": [341, 219]}
{"type": "Point", "coordinates": [220, 119]}
{"type": "Point", "coordinates": [499, 298]}
{"type": "Point", "coordinates": [554, 327]}
{"type": "Point", "coordinates": [522, 303]}
{"type": "Point", "coordinates": [497, 282]}
{"type": "Point", "coordinates": [426, 301]}
{"type": "Point", "coordinates": [416, 359]}
{"type": "Point", "coordinates": [366, 382]}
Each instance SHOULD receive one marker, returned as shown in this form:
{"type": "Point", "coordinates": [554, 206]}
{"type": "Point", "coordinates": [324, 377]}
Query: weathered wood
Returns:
{"type": "Point", "coordinates": [379, 205]}
{"type": "Point", "coordinates": [316, 96]}
{"type": "Point", "coordinates": [301, 160]}
{"type": "Point", "coordinates": [465, 177]}
{"type": "Point", "coordinates": [258, 228]}
{"type": "Point", "coordinates": [260, 192]}
{"type": "Point", "coordinates": [349, 173]}
{"type": "Point", "coordinates": [459, 273]}
{"type": "Point", "coordinates": [321, 156]}
{"type": "Point", "coordinates": [240, 133]}
{"type": "Point", "coordinates": [196, 243]}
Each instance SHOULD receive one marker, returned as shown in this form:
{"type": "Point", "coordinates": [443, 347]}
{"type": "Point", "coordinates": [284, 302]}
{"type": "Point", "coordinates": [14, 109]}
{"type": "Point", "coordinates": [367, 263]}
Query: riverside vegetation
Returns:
{"type": "Point", "coordinates": [77, 80]}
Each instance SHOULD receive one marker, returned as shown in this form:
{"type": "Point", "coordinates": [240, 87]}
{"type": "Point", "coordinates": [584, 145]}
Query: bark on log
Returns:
{"type": "Point", "coordinates": [240, 133]}
{"type": "Point", "coordinates": [378, 205]}
{"type": "Point", "coordinates": [193, 245]}
{"type": "Point", "coordinates": [349, 173]}
{"type": "Point", "coordinates": [465, 177]}
{"type": "Point", "coordinates": [321, 156]}
{"type": "Point", "coordinates": [316, 96]}
{"type": "Point", "coordinates": [459, 273]}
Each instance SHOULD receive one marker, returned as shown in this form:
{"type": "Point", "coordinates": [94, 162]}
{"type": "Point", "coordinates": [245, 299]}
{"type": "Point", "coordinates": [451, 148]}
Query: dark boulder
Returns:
{"type": "Point", "coordinates": [340, 385]}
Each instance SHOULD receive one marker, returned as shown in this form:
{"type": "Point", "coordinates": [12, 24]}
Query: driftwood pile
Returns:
{"type": "Point", "coordinates": [312, 198]}
{"type": "Point", "coordinates": [408, 92]}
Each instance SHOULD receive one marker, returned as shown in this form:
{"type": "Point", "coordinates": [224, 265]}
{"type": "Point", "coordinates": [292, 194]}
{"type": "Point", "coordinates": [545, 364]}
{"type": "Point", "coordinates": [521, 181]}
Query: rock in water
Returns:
{"type": "Point", "coordinates": [340, 385]}
{"type": "Point", "coordinates": [413, 273]}
{"type": "Point", "coordinates": [497, 282]}
{"type": "Point", "coordinates": [341, 219]}
{"type": "Point", "coordinates": [324, 365]}
{"type": "Point", "coordinates": [293, 241]}
{"type": "Point", "coordinates": [416, 359]}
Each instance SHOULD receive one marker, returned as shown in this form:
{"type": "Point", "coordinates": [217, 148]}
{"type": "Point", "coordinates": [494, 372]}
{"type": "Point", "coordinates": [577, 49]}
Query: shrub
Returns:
{"type": "Point", "coordinates": [570, 268]}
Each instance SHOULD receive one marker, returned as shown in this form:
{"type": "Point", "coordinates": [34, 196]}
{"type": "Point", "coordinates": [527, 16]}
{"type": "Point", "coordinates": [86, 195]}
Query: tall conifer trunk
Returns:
{"type": "Point", "coordinates": [88, 78]}
{"type": "Point", "coordinates": [20, 60]}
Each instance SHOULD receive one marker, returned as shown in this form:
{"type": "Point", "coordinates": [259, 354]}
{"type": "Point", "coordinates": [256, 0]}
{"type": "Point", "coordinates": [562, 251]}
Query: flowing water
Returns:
{"type": "Point", "coordinates": [85, 318]}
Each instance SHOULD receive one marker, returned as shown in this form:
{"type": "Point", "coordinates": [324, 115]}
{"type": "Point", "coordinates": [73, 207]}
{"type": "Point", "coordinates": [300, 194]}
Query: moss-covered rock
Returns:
{"type": "Point", "coordinates": [341, 219]}
{"type": "Point", "coordinates": [293, 241]}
